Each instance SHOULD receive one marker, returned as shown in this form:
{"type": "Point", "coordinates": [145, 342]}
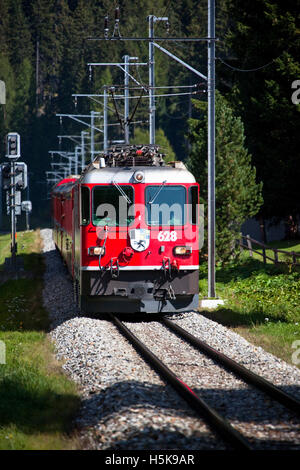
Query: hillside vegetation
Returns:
{"type": "Point", "coordinates": [45, 49]}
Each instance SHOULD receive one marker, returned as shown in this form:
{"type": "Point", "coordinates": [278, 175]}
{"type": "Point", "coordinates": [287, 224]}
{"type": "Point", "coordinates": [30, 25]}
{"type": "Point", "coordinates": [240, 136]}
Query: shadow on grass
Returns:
{"type": "Point", "coordinates": [244, 270]}
{"type": "Point", "coordinates": [35, 406]}
{"type": "Point", "coordinates": [32, 262]}
{"type": "Point", "coordinates": [234, 318]}
{"type": "Point", "coordinates": [21, 306]}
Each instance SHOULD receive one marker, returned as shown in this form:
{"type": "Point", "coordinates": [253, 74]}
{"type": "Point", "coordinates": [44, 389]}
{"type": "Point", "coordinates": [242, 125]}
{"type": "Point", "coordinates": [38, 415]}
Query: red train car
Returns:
{"type": "Point", "coordinates": [128, 231]}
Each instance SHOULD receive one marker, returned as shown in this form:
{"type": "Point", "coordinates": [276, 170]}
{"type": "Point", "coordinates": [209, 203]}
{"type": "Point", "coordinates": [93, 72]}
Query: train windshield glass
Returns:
{"type": "Point", "coordinates": [165, 205]}
{"type": "Point", "coordinates": [112, 207]}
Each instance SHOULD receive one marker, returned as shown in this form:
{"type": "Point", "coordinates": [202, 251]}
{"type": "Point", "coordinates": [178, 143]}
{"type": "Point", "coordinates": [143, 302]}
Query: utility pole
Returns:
{"type": "Point", "coordinates": [92, 135]}
{"type": "Point", "coordinates": [83, 133]}
{"type": "Point", "coordinates": [3, 102]}
{"type": "Point", "coordinates": [37, 89]}
{"type": "Point", "coordinates": [77, 152]}
{"type": "Point", "coordinates": [151, 82]}
{"type": "Point", "coordinates": [127, 59]}
{"type": "Point", "coordinates": [126, 102]}
{"type": "Point", "coordinates": [211, 148]}
{"type": "Point", "coordinates": [105, 129]}
{"type": "Point", "coordinates": [152, 20]}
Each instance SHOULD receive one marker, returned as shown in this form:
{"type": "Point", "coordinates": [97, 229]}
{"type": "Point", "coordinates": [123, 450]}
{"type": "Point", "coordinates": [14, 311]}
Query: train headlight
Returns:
{"type": "Point", "coordinates": [96, 250]}
{"type": "Point", "coordinates": [183, 250]}
{"type": "Point", "coordinates": [139, 176]}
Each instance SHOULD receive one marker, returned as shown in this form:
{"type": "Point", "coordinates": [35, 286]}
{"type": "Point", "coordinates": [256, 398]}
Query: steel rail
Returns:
{"type": "Point", "coordinates": [249, 376]}
{"type": "Point", "coordinates": [200, 406]}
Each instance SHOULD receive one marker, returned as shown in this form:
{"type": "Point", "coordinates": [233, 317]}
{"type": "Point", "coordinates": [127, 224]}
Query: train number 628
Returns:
{"type": "Point", "coordinates": [167, 236]}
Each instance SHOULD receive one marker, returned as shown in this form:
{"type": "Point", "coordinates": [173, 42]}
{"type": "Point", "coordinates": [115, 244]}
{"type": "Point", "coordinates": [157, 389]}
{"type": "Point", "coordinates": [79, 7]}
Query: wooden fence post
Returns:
{"type": "Point", "coordinates": [264, 254]}
{"type": "Point", "coordinates": [275, 255]}
{"type": "Point", "coordinates": [249, 243]}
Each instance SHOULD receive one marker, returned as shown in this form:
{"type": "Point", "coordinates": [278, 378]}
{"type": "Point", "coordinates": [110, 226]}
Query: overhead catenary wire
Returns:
{"type": "Point", "coordinates": [161, 95]}
{"type": "Point", "coordinates": [162, 87]}
{"type": "Point", "coordinates": [245, 70]}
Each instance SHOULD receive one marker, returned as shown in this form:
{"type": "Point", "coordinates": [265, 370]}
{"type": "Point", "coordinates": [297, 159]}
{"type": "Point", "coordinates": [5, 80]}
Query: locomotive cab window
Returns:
{"type": "Point", "coordinates": [193, 205]}
{"type": "Point", "coordinates": [111, 205]}
{"type": "Point", "coordinates": [165, 205]}
{"type": "Point", "coordinates": [85, 205]}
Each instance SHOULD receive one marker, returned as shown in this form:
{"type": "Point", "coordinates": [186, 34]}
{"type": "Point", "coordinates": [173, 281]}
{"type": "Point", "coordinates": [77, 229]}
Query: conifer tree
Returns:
{"type": "Point", "coordinates": [238, 195]}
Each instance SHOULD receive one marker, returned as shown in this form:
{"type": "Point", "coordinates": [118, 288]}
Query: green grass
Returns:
{"type": "Point", "coordinates": [262, 302]}
{"type": "Point", "coordinates": [28, 244]}
{"type": "Point", "coordinates": [37, 401]}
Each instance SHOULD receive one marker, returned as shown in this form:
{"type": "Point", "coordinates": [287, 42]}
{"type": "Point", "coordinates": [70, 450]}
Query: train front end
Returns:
{"type": "Point", "coordinates": [137, 239]}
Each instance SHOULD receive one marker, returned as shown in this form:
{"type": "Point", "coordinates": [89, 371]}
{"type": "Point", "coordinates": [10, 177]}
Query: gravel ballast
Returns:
{"type": "Point", "coordinates": [126, 405]}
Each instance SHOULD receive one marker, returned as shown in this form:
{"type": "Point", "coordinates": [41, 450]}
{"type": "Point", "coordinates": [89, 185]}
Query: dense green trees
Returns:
{"type": "Point", "coordinates": [266, 32]}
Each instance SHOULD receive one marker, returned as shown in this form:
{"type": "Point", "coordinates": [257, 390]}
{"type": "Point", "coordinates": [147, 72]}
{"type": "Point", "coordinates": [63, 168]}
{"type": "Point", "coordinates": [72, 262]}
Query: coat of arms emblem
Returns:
{"type": "Point", "coordinates": [139, 239]}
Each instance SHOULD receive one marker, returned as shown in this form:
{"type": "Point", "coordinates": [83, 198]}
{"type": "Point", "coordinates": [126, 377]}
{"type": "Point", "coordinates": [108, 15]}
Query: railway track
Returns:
{"type": "Point", "coordinates": [126, 405]}
{"type": "Point", "coordinates": [216, 420]}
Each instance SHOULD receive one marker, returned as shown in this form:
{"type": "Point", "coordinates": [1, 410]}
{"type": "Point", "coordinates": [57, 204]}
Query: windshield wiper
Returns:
{"type": "Point", "coordinates": [157, 192]}
{"type": "Point", "coordinates": [122, 192]}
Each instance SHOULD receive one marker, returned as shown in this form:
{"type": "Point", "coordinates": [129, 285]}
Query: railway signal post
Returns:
{"type": "Point", "coordinates": [13, 152]}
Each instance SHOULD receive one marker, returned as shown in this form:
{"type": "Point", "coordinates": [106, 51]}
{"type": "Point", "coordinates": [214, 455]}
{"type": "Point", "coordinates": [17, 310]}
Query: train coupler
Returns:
{"type": "Point", "coordinates": [165, 294]}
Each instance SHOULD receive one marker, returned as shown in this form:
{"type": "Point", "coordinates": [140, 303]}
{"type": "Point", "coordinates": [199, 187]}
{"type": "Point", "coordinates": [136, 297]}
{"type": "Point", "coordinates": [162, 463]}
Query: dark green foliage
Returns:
{"type": "Point", "coordinates": [264, 31]}
{"type": "Point", "coordinates": [238, 196]}
{"type": "Point", "coordinates": [44, 53]}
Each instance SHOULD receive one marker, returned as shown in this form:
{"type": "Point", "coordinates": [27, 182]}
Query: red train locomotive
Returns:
{"type": "Point", "coordinates": [127, 229]}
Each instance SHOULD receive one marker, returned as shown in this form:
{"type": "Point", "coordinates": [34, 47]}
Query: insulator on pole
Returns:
{"type": "Point", "coordinates": [106, 29]}
{"type": "Point", "coordinates": [75, 101]}
{"type": "Point", "coordinates": [117, 20]}
{"type": "Point", "coordinates": [90, 73]}
{"type": "Point", "coordinates": [167, 26]}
